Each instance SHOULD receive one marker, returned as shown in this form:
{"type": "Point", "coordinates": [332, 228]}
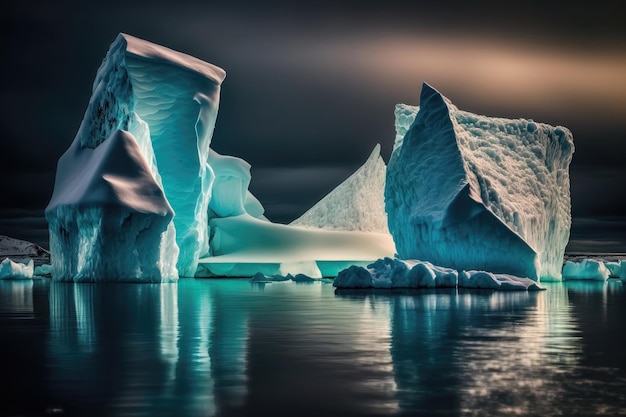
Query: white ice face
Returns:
{"type": "Point", "coordinates": [16, 270]}
{"type": "Point", "coordinates": [355, 204]}
{"type": "Point", "coordinates": [475, 192]}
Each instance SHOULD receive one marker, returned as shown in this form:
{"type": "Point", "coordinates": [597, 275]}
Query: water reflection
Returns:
{"type": "Point", "coordinates": [479, 353]}
{"type": "Point", "coordinates": [229, 348]}
{"type": "Point", "coordinates": [150, 347]}
{"type": "Point", "coordinates": [16, 298]}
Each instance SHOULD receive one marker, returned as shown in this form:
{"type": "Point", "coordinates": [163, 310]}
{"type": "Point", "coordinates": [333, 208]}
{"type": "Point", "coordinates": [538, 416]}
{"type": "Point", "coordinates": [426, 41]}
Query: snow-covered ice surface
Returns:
{"type": "Point", "coordinates": [16, 270]}
{"type": "Point", "coordinates": [355, 204]}
{"type": "Point", "coordinates": [396, 273]}
{"type": "Point", "coordinates": [479, 193]}
{"type": "Point", "coordinates": [244, 245]}
{"type": "Point", "coordinates": [405, 116]}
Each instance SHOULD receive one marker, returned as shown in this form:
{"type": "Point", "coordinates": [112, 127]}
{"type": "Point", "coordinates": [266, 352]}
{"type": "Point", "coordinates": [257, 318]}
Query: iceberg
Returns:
{"type": "Point", "coordinates": [355, 204]}
{"type": "Point", "coordinates": [479, 193]}
{"type": "Point", "coordinates": [587, 269]}
{"type": "Point", "coordinates": [16, 270]}
{"type": "Point", "coordinates": [397, 273]}
{"type": "Point", "coordinates": [140, 155]}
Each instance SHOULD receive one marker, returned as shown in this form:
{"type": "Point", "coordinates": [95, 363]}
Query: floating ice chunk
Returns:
{"type": "Point", "coordinates": [396, 273]}
{"type": "Point", "coordinates": [108, 218]}
{"type": "Point", "coordinates": [261, 278]}
{"type": "Point", "coordinates": [589, 269]}
{"type": "Point", "coordinates": [16, 270]}
{"type": "Point", "coordinates": [479, 193]}
{"type": "Point", "coordinates": [43, 270]}
{"type": "Point", "coordinates": [355, 204]}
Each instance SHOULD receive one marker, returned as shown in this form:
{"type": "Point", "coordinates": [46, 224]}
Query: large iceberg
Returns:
{"type": "Point", "coordinates": [478, 193]}
{"type": "Point", "coordinates": [355, 204]}
{"type": "Point", "coordinates": [140, 155]}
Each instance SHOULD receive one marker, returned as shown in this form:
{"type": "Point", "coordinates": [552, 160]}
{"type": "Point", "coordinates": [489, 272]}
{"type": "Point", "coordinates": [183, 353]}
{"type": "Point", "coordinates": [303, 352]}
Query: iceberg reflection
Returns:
{"type": "Point", "coordinates": [148, 346]}
{"type": "Point", "coordinates": [16, 298]}
{"type": "Point", "coordinates": [478, 352]}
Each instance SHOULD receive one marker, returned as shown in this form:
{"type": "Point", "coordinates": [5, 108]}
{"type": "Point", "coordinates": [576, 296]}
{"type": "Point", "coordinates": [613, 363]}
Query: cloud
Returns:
{"type": "Point", "coordinates": [601, 234]}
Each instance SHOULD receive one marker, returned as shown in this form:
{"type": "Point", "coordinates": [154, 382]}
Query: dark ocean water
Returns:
{"type": "Point", "coordinates": [233, 348]}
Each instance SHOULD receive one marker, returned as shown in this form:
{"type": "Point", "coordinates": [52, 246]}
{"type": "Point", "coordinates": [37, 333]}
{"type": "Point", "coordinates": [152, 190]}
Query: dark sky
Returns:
{"type": "Point", "coordinates": [311, 87]}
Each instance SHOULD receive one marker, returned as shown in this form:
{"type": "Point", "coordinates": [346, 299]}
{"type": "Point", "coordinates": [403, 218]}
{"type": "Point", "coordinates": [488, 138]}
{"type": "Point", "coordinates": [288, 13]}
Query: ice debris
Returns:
{"type": "Point", "coordinates": [397, 273]}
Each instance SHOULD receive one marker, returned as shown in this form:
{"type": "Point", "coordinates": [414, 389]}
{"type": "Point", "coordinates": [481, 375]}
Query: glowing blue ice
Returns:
{"type": "Point", "coordinates": [587, 269]}
{"type": "Point", "coordinates": [479, 193]}
{"type": "Point", "coordinates": [146, 132]}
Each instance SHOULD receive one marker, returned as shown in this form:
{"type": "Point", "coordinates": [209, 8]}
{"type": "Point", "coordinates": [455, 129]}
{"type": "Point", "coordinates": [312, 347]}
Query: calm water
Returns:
{"type": "Point", "coordinates": [233, 348]}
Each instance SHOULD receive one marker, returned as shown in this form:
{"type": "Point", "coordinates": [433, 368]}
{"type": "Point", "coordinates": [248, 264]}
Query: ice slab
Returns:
{"type": "Point", "coordinates": [244, 245]}
{"type": "Point", "coordinates": [480, 193]}
{"type": "Point", "coordinates": [405, 116]}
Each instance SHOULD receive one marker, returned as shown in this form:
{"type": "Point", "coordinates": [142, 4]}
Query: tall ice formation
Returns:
{"type": "Point", "coordinates": [474, 192]}
{"type": "Point", "coordinates": [139, 157]}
